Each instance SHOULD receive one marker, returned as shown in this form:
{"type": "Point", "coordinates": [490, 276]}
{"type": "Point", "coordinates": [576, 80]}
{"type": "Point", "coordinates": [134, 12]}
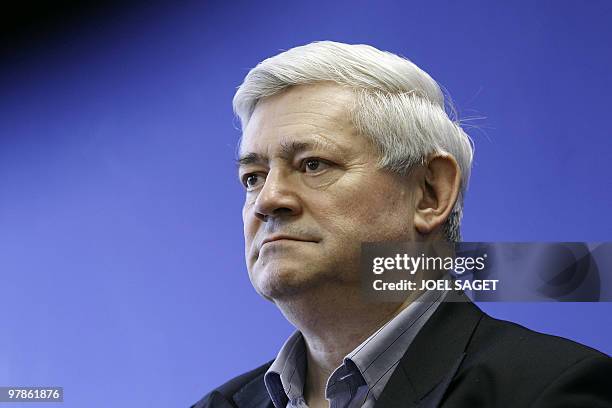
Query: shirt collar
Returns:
{"type": "Point", "coordinates": [378, 356]}
{"type": "Point", "coordinates": [286, 376]}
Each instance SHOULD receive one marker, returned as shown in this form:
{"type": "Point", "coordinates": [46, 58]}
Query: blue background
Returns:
{"type": "Point", "coordinates": [122, 276]}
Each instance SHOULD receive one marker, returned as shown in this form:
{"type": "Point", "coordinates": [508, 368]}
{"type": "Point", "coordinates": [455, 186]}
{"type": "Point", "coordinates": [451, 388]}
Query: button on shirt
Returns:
{"type": "Point", "coordinates": [359, 381]}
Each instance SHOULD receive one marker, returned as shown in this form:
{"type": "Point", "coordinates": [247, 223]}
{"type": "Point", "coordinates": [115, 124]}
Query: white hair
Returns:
{"type": "Point", "coordinates": [398, 106]}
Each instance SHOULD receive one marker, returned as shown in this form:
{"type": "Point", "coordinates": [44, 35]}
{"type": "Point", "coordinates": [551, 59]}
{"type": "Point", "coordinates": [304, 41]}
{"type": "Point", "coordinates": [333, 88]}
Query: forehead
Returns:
{"type": "Point", "coordinates": [301, 113]}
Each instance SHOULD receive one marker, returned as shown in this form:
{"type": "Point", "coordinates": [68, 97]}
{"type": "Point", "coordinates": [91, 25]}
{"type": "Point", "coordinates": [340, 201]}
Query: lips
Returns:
{"type": "Point", "coordinates": [285, 237]}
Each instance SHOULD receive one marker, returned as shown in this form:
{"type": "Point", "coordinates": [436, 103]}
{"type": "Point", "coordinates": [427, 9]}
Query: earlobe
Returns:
{"type": "Point", "coordinates": [439, 188]}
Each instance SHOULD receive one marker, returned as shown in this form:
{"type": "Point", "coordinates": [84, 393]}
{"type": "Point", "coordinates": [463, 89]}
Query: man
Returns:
{"type": "Point", "coordinates": [345, 144]}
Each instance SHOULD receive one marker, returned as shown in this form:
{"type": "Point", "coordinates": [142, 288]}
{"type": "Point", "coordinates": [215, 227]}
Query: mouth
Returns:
{"type": "Point", "coordinates": [283, 238]}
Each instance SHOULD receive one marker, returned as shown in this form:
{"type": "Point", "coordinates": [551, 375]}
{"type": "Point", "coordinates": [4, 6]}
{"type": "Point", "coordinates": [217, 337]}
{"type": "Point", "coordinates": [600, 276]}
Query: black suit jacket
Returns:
{"type": "Point", "coordinates": [465, 358]}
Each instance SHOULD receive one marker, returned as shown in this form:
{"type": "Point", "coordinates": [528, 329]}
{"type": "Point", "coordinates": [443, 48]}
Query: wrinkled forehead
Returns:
{"type": "Point", "coordinates": [298, 114]}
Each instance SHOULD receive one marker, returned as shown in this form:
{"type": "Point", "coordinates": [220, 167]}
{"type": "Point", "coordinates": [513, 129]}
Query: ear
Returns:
{"type": "Point", "coordinates": [439, 186]}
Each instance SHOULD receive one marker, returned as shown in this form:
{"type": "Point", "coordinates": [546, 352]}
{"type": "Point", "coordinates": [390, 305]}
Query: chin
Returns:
{"type": "Point", "coordinates": [282, 279]}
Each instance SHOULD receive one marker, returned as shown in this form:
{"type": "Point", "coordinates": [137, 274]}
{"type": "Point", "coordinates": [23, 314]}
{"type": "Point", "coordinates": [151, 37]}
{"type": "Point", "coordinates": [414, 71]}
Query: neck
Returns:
{"type": "Point", "coordinates": [333, 321]}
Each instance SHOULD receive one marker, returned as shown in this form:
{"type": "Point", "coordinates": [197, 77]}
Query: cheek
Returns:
{"type": "Point", "coordinates": [249, 224]}
{"type": "Point", "coordinates": [370, 213]}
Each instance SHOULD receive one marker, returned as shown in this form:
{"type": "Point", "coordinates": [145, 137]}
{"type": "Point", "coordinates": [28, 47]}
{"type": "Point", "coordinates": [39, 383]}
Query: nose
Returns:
{"type": "Point", "coordinates": [277, 197]}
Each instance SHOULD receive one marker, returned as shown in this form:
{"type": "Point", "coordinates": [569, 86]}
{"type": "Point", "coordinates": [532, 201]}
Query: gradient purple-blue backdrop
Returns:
{"type": "Point", "coordinates": [121, 260]}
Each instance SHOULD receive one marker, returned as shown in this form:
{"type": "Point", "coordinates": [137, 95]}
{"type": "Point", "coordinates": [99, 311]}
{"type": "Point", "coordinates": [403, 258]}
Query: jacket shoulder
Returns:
{"type": "Point", "coordinates": [506, 339]}
{"type": "Point", "coordinates": [222, 396]}
{"type": "Point", "coordinates": [509, 365]}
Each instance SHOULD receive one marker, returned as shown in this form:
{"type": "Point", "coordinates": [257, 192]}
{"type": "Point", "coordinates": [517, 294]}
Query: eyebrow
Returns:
{"type": "Point", "coordinates": [286, 151]}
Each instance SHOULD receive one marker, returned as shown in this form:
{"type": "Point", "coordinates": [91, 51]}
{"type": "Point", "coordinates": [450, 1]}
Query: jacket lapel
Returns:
{"type": "Point", "coordinates": [253, 395]}
{"type": "Point", "coordinates": [434, 397]}
{"type": "Point", "coordinates": [428, 366]}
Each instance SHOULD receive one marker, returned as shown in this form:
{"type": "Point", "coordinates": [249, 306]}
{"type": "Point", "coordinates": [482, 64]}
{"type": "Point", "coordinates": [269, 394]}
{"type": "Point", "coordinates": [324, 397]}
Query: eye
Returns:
{"type": "Point", "coordinates": [252, 180]}
{"type": "Point", "coordinates": [313, 165]}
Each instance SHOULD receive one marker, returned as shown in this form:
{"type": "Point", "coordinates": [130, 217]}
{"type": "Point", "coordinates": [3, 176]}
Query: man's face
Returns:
{"type": "Point", "coordinates": [314, 193]}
